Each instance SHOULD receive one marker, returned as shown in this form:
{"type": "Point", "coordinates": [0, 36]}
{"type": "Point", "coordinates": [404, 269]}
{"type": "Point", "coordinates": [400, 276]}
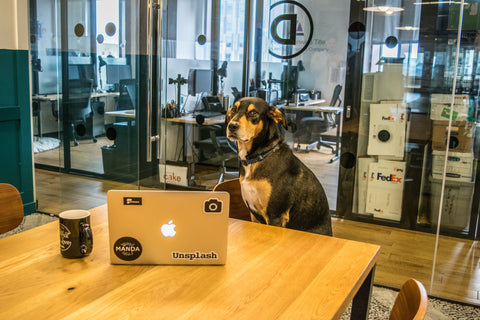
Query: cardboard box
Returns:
{"type": "Point", "coordinates": [459, 166]}
{"type": "Point", "coordinates": [461, 136]}
{"type": "Point", "coordinates": [363, 165]}
{"type": "Point", "coordinates": [385, 189]}
{"type": "Point", "coordinates": [457, 203]}
{"type": "Point", "coordinates": [387, 130]}
{"type": "Point", "coordinates": [440, 111]}
{"type": "Point", "coordinates": [444, 98]}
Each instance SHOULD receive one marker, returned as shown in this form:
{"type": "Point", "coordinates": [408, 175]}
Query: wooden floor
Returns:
{"type": "Point", "coordinates": [404, 253]}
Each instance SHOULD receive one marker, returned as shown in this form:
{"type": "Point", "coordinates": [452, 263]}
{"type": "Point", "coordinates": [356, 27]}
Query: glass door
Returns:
{"type": "Point", "coordinates": [202, 61]}
{"type": "Point", "coordinates": [93, 65]}
{"type": "Point", "coordinates": [134, 94]}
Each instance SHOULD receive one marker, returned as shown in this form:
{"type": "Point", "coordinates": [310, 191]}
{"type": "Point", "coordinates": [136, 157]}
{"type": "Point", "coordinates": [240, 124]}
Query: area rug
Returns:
{"type": "Point", "coordinates": [380, 305]}
{"type": "Point", "coordinates": [45, 144]}
{"type": "Point", "coordinates": [383, 298]}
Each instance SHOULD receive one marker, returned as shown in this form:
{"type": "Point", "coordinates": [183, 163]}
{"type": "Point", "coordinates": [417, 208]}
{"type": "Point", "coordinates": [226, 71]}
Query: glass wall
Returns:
{"type": "Point", "coordinates": [380, 99]}
{"type": "Point", "coordinates": [405, 73]}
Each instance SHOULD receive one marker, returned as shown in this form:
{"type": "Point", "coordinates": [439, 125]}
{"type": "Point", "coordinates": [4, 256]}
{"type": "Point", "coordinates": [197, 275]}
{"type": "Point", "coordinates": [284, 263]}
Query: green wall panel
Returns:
{"type": "Point", "coordinates": [15, 129]}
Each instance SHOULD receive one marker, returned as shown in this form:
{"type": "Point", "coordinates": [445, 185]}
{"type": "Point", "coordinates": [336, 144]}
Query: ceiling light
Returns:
{"type": "Point", "coordinates": [388, 10]}
{"type": "Point", "coordinates": [437, 2]}
{"type": "Point", "coordinates": [407, 28]}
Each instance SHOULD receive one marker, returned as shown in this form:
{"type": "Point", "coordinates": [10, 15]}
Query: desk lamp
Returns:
{"type": "Point", "coordinates": [179, 81]}
{"type": "Point", "coordinates": [102, 63]}
{"type": "Point", "coordinates": [222, 73]}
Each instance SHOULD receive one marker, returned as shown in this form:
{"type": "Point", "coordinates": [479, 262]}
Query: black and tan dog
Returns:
{"type": "Point", "coordinates": [277, 187]}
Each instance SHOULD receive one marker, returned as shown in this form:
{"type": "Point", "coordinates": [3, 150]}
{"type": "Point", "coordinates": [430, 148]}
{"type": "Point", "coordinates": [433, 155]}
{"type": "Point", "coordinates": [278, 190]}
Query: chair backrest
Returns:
{"type": "Point", "coordinates": [80, 91]}
{"type": "Point", "coordinates": [238, 209]}
{"type": "Point", "coordinates": [11, 208]}
{"type": "Point", "coordinates": [127, 94]}
{"type": "Point", "coordinates": [336, 96]}
{"type": "Point", "coordinates": [411, 302]}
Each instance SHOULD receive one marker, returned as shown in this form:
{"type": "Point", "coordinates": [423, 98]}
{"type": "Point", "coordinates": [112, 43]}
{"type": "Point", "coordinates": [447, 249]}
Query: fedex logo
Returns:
{"type": "Point", "coordinates": [389, 178]}
{"type": "Point", "coordinates": [388, 118]}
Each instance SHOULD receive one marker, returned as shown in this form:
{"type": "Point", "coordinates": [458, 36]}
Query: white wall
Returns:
{"type": "Point", "coordinates": [14, 24]}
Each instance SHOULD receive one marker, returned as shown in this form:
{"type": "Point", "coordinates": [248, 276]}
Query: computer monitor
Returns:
{"type": "Point", "coordinates": [199, 81]}
{"type": "Point", "coordinates": [73, 72]}
{"type": "Point", "coordinates": [116, 72]}
{"type": "Point", "coordinates": [83, 71]}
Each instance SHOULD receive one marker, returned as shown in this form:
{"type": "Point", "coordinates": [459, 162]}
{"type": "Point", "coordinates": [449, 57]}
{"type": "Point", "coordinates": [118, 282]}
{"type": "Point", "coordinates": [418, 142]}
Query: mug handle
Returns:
{"type": "Point", "coordinates": [86, 238]}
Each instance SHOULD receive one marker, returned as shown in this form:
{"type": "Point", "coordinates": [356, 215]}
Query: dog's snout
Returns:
{"type": "Point", "coordinates": [233, 126]}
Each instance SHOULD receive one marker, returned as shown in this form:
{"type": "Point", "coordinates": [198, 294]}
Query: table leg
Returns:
{"type": "Point", "coordinates": [361, 301]}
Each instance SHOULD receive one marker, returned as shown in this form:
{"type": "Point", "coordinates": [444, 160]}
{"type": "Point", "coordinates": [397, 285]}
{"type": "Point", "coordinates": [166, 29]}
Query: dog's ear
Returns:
{"type": "Point", "coordinates": [228, 116]}
{"type": "Point", "coordinates": [277, 116]}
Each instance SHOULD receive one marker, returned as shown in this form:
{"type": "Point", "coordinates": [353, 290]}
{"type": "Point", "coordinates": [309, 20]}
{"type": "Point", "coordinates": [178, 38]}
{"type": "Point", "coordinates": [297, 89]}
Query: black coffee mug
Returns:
{"type": "Point", "coordinates": [76, 240]}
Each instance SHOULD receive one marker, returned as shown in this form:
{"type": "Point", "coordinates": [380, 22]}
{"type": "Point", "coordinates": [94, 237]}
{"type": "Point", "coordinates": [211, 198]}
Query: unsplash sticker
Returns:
{"type": "Point", "coordinates": [291, 28]}
{"type": "Point", "coordinates": [127, 248]}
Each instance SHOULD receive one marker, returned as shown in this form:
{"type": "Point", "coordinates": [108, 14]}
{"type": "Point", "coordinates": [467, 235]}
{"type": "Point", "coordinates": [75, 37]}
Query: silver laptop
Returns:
{"type": "Point", "coordinates": [168, 227]}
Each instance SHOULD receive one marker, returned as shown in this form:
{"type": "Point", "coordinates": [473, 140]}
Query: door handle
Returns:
{"type": "Point", "coordinates": [153, 6]}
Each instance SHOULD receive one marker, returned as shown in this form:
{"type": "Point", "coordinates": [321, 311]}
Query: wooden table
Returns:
{"type": "Point", "coordinates": [270, 273]}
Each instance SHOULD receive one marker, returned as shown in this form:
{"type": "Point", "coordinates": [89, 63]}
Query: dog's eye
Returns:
{"type": "Point", "coordinates": [233, 110]}
{"type": "Point", "coordinates": [252, 113]}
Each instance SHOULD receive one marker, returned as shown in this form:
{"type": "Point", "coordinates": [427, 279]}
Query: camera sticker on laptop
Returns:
{"type": "Point", "coordinates": [213, 205]}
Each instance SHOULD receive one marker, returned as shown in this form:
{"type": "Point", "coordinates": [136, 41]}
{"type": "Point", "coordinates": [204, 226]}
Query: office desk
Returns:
{"type": "Point", "coordinates": [315, 108]}
{"type": "Point", "coordinates": [55, 97]}
{"type": "Point", "coordinates": [270, 273]}
{"type": "Point", "coordinates": [130, 113]}
{"type": "Point", "coordinates": [190, 119]}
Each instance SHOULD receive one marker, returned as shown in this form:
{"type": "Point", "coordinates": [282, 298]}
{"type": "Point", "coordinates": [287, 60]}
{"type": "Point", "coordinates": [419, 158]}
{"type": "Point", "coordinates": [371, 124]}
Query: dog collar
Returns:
{"type": "Point", "coordinates": [260, 157]}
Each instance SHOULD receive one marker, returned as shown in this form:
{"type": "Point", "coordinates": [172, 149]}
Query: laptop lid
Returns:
{"type": "Point", "coordinates": [168, 227]}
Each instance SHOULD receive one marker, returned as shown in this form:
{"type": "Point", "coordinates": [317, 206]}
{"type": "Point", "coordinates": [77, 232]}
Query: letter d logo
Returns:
{"type": "Point", "coordinates": [291, 21]}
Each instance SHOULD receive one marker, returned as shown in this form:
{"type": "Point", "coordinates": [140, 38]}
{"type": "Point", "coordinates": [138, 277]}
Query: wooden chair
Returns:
{"type": "Point", "coordinates": [238, 209]}
{"type": "Point", "coordinates": [11, 208]}
{"type": "Point", "coordinates": [411, 302]}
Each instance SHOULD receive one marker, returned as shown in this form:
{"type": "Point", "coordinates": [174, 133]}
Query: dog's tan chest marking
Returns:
{"type": "Point", "coordinates": [256, 193]}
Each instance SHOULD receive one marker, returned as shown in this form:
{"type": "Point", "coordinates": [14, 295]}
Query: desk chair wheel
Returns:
{"type": "Point", "coordinates": [95, 140]}
{"type": "Point", "coordinates": [297, 148]}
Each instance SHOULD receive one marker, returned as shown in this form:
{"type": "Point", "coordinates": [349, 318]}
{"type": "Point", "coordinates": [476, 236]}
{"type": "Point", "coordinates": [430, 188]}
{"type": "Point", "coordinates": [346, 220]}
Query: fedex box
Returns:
{"type": "Point", "coordinates": [386, 135]}
{"type": "Point", "coordinates": [461, 136]}
{"type": "Point", "coordinates": [385, 189]}
{"type": "Point", "coordinates": [363, 166]}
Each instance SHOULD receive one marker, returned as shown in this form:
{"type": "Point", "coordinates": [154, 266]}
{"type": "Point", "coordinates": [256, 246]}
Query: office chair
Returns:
{"type": "Point", "coordinates": [217, 149]}
{"type": "Point", "coordinates": [79, 108]}
{"type": "Point", "coordinates": [411, 302]}
{"type": "Point", "coordinates": [316, 125]}
{"type": "Point", "coordinates": [238, 209]}
{"type": "Point", "coordinates": [127, 94]}
{"type": "Point", "coordinates": [11, 208]}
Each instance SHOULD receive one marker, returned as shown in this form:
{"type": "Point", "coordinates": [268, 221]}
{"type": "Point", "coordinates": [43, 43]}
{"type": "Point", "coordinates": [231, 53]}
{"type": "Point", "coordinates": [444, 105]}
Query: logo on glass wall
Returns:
{"type": "Point", "coordinates": [291, 29]}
